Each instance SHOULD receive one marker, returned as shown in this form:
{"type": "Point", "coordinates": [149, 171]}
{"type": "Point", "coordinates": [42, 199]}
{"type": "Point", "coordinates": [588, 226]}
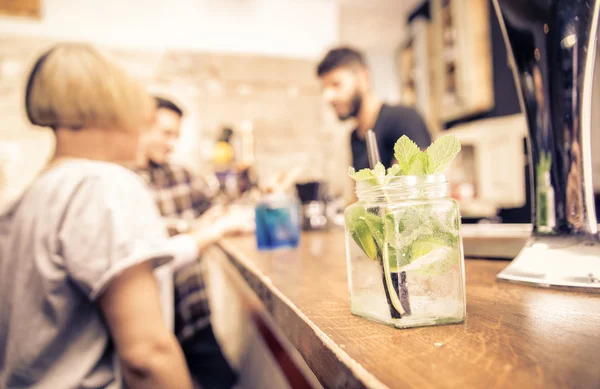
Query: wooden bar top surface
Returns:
{"type": "Point", "coordinates": [515, 336]}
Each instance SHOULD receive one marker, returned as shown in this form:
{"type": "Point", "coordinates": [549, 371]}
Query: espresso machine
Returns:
{"type": "Point", "coordinates": [312, 195]}
{"type": "Point", "coordinates": [552, 50]}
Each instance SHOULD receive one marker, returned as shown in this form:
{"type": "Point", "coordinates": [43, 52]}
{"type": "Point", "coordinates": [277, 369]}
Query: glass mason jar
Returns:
{"type": "Point", "coordinates": [404, 253]}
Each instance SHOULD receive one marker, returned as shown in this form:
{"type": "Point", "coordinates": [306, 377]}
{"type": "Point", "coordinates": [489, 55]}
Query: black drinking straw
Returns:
{"type": "Point", "coordinates": [372, 150]}
{"type": "Point", "coordinates": [374, 159]}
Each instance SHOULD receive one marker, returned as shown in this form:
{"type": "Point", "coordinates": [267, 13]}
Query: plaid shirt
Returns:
{"type": "Point", "coordinates": [179, 195]}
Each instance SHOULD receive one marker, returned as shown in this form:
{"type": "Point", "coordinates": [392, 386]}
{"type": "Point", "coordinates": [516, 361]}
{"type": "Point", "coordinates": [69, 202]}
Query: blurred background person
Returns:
{"type": "Point", "coordinates": [185, 202]}
{"type": "Point", "coordinates": [347, 85]}
{"type": "Point", "coordinates": [78, 248]}
{"type": "Point", "coordinates": [180, 195]}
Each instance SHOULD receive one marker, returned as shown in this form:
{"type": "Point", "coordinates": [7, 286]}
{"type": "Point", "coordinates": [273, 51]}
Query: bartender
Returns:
{"type": "Point", "coordinates": [347, 85]}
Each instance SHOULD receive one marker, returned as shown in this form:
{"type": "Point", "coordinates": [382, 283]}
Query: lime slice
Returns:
{"type": "Point", "coordinates": [423, 246]}
{"type": "Point", "coordinates": [436, 261]}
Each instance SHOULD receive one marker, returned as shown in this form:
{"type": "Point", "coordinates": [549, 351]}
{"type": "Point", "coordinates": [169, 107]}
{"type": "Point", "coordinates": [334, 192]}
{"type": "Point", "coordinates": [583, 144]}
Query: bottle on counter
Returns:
{"type": "Point", "coordinates": [278, 214]}
{"type": "Point", "coordinates": [223, 157]}
{"type": "Point", "coordinates": [277, 221]}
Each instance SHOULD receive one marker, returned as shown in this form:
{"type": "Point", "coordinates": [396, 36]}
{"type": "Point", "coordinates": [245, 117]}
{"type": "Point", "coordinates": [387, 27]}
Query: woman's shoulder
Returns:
{"type": "Point", "coordinates": [85, 180]}
{"type": "Point", "coordinates": [78, 171]}
{"type": "Point", "coordinates": [95, 169]}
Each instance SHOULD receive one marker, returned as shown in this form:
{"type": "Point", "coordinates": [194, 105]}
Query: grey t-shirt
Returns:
{"type": "Point", "coordinates": [74, 230]}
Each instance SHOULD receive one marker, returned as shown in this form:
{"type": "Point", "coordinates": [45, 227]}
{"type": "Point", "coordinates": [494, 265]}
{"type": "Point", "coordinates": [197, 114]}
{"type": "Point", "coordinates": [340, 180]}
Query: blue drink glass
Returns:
{"type": "Point", "coordinates": [277, 222]}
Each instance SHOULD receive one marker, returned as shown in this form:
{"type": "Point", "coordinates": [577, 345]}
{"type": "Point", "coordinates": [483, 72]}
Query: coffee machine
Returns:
{"type": "Point", "coordinates": [552, 50]}
{"type": "Point", "coordinates": [314, 205]}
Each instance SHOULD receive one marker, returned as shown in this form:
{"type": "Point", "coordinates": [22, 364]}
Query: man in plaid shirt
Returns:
{"type": "Point", "coordinates": [182, 198]}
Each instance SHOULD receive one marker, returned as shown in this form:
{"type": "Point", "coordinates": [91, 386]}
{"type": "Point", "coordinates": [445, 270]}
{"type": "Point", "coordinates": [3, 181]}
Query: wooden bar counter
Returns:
{"type": "Point", "coordinates": [515, 336]}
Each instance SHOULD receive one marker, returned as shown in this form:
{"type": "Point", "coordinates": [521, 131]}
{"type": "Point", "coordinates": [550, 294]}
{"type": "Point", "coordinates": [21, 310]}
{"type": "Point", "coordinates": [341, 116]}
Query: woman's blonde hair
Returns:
{"type": "Point", "coordinates": [74, 86]}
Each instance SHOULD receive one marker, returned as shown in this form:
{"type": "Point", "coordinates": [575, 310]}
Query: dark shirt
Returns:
{"type": "Point", "coordinates": [392, 122]}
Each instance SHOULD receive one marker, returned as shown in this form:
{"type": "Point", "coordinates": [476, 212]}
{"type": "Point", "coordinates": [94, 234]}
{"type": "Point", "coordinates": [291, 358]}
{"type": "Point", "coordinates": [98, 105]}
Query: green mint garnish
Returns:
{"type": "Point", "coordinates": [415, 231]}
{"type": "Point", "coordinates": [426, 245]}
{"type": "Point", "coordinates": [375, 225]}
{"type": "Point", "coordinates": [361, 175]}
{"type": "Point", "coordinates": [436, 261]}
{"type": "Point", "coordinates": [412, 161]}
{"type": "Point", "coordinates": [377, 176]}
{"type": "Point", "coordinates": [406, 153]}
{"type": "Point", "coordinates": [419, 165]}
{"type": "Point", "coordinates": [393, 171]}
{"type": "Point", "coordinates": [434, 160]}
{"type": "Point", "coordinates": [441, 153]}
{"type": "Point", "coordinates": [359, 230]}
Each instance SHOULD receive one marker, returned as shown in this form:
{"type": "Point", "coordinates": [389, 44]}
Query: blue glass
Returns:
{"type": "Point", "coordinates": [277, 222]}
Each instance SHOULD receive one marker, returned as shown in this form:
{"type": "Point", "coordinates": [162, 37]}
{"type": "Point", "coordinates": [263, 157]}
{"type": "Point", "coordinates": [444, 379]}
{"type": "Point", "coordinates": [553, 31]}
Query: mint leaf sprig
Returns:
{"type": "Point", "coordinates": [435, 160]}
{"type": "Point", "coordinates": [407, 153]}
{"type": "Point", "coordinates": [376, 176]}
{"type": "Point", "coordinates": [441, 153]}
{"type": "Point", "coordinates": [412, 161]}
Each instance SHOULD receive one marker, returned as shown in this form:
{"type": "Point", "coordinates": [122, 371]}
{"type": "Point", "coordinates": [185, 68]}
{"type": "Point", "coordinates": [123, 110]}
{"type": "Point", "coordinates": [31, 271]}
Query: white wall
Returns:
{"type": "Point", "coordinates": [284, 28]}
{"type": "Point", "coordinates": [384, 71]}
{"type": "Point", "coordinates": [378, 33]}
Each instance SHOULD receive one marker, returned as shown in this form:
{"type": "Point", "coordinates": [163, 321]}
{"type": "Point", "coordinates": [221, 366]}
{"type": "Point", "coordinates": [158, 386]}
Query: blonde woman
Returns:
{"type": "Point", "coordinates": [79, 304]}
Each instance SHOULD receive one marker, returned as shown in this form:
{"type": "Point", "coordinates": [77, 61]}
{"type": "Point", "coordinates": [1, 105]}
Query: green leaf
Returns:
{"type": "Point", "coordinates": [409, 237]}
{"type": "Point", "coordinates": [373, 176]}
{"type": "Point", "coordinates": [409, 218]}
{"type": "Point", "coordinates": [398, 257]}
{"type": "Point", "coordinates": [394, 170]}
{"type": "Point", "coordinates": [354, 213]}
{"type": "Point", "coordinates": [391, 227]}
{"type": "Point", "coordinates": [437, 263]}
{"type": "Point", "coordinates": [391, 230]}
{"type": "Point", "coordinates": [363, 238]}
{"type": "Point", "coordinates": [375, 225]}
{"type": "Point", "coordinates": [361, 175]}
{"type": "Point", "coordinates": [425, 245]}
{"type": "Point", "coordinates": [379, 171]}
{"type": "Point", "coordinates": [442, 221]}
{"type": "Point", "coordinates": [419, 165]}
{"type": "Point", "coordinates": [359, 231]}
{"type": "Point", "coordinates": [441, 153]}
{"type": "Point", "coordinates": [405, 152]}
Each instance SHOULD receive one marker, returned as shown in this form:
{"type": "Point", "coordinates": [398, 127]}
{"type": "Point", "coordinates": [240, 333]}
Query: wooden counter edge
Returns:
{"type": "Point", "coordinates": [363, 376]}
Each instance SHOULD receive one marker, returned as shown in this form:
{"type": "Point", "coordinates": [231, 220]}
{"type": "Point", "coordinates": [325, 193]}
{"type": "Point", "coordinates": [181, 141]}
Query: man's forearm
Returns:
{"type": "Point", "coordinates": [186, 248]}
{"type": "Point", "coordinates": [207, 237]}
